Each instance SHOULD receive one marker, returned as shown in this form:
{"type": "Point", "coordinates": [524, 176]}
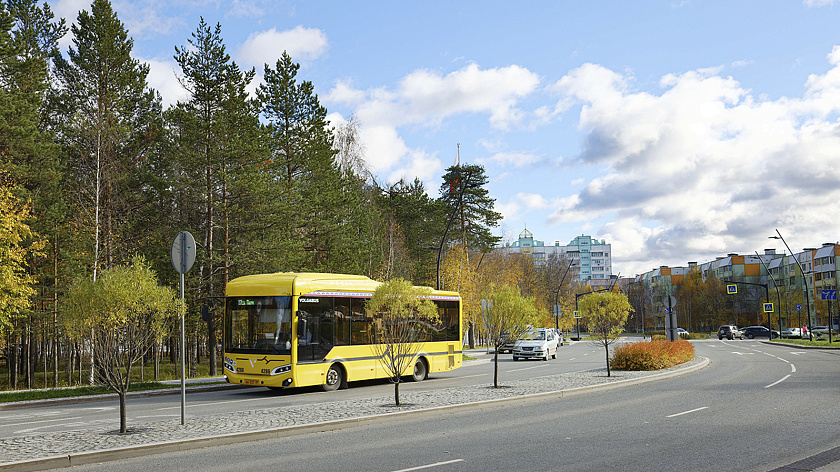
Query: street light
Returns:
{"type": "Point", "coordinates": [557, 295]}
{"type": "Point", "coordinates": [805, 279]}
{"type": "Point", "coordinates": [778, 296]}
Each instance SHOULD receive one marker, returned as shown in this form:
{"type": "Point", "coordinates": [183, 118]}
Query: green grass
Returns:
{"type": "Point", "coordinates": [815, 342]}
{"type": "Point", "coordinates": [168, 371]}
{"type": "Point", "coordinates": [25, 395]}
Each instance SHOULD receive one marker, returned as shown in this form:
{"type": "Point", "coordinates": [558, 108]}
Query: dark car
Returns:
{"type": "Point", "coordinates": [729, 332]}
{"type": "Point", "coordinates": [752, 332]}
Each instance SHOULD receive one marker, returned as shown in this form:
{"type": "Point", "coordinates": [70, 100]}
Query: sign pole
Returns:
{"type": "Point", "coordinates": [183, 257]}
{"type": "Point", "coordinates": [183, 364]}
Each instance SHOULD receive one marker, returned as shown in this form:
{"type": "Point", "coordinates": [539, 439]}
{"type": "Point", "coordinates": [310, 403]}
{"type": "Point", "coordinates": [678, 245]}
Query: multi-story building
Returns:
{"type": "Point", "coordinates": [803, 289]}
{"type": "Point", "coordinates": [593, 258]}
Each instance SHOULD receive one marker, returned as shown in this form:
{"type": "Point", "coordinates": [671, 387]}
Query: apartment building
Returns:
{"type": "Point", "coordinates": [593, 258]}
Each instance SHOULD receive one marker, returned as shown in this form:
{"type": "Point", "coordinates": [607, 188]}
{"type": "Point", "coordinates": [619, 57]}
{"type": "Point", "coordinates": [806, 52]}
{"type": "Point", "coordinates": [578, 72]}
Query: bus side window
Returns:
{"type": "Point", "coordinates": [342, 321]}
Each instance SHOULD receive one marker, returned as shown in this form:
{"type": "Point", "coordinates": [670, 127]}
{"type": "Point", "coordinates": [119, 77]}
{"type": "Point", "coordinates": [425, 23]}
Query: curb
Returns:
{"type": "Point", "coordinates": [89, 457]}
{"type": "Point", "coordinates": [800, 346]}
{"type": "Point", "coordinates": [144, 393]}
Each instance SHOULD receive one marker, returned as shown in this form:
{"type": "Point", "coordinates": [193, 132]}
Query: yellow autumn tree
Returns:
{"type": "Point", "coordinates": [507, 315]}
{"type": "Point", "coordinates": [127, 311]}
{"type": "Point", "coordinates": [605, 314]}
{"type": "Point", "coordinates": [17, 242]}
{"type": "Point", "coordinates": [403, 315]}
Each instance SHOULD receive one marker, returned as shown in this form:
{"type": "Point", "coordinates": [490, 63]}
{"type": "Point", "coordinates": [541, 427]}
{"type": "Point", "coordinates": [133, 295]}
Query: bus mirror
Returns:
{"type": "Point", "coordinates": [301, 331]}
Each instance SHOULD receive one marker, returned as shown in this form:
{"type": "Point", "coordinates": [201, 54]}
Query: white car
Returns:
{"type": "Point", "coordinates": [792, 333]}
{"type": "Point", "coordinates": [539, 345]}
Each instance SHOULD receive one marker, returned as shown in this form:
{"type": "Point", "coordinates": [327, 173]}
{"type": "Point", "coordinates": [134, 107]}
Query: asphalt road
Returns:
{"type": "Point", "coordinates": [63, 416]}
{"type": "Point", "coordinates": [755, 407]}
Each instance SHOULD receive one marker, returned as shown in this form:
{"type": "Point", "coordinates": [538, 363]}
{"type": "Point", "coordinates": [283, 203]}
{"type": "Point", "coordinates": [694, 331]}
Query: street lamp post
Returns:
{"type": "Point", "coordinates": [778, 296]}
{"type": "Point", "coordinates": [557, 296]}
{"type": "Point", "coordinates": [804, 279]}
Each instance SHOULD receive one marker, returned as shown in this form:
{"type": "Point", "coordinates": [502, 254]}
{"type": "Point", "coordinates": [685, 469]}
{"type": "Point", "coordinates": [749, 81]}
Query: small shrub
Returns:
{"type": "Point", "coordinates": [652, 355]}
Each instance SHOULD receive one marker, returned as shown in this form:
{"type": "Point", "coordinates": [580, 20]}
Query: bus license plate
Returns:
{"type": "Point", "coordinates": [251, 382]}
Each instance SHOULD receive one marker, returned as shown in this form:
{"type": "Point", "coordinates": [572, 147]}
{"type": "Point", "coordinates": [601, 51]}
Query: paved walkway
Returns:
{"type": "Point", "coordinates": [52, 450]}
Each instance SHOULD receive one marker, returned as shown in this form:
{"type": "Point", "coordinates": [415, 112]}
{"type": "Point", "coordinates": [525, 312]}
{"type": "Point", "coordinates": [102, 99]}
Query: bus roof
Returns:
{"type": "Point", "coordinates": [301, 283]}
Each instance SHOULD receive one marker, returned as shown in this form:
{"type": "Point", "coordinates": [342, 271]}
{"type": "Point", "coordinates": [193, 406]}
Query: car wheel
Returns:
{"type": "Point", "coordinates": [720, 338]}
{"type": "Point", "coordinates": [420, 371]}
{"type": "Point", "coordinates": [515, 358]}
{"type": "Point", "coordinates": [334, 378]}
{"type": "Point", "coordinates": [750, 336]}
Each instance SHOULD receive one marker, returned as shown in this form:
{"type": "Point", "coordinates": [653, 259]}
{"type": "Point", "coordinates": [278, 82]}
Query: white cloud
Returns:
{"type": "Point", "coordinates": [511, 159]}
{"type": "Point", "coordinates": [427, 98]}
{"type": "Point", "coordinates": [266, 47]}
{"type": "Point", "coordinates": [424, 99]}
{"type": "Point", "coordinates": [163, 79]}
{"type": "Point", "coordinates": [344, 93]}
{"type": "Point", "coordinates": [703, 167]}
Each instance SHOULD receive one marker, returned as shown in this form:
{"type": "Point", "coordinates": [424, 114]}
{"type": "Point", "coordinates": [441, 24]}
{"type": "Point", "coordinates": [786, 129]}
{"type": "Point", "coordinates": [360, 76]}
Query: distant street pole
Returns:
{"type": "Point", "coordinates": [183, 258]}
{"type": "Point", "coordinates": [804, 279]}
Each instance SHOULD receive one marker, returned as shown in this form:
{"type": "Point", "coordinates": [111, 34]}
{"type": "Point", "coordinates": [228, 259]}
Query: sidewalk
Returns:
{"type": "Point", "coordinates": [71, 448]}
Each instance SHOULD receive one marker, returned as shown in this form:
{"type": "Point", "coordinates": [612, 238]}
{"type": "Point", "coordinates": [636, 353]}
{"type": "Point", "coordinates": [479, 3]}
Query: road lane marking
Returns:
{"type": "Point", "coordinates": [527, 368]}
{"type": "Point", "coordinates": [45, 421]}
{"type": "Point", "coordinates": [430, 465]}
{"type": "Point", "coordinates": [687, 412]}
{"type": "Point", "coordinates": [792, 368]}
{"type": "Point", "coordinates": [778, 381]}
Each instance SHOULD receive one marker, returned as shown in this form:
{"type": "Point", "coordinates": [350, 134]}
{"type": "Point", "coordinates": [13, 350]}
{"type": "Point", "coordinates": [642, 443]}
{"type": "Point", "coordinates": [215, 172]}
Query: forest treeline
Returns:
{"type": "Point", "coordinates": [95, 171]}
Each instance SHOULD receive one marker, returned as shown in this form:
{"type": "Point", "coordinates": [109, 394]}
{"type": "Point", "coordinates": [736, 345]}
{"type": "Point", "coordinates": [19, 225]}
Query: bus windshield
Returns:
{"type": "Point", "coordinates": [258, 325]}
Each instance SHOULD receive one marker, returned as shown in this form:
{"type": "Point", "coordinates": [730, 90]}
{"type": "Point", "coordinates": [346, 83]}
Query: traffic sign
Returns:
{"type": "Point", "coordinates": [828, 294]}
{"type": "Point", "coordinates": [768, 308]}
{"type": "Point", "coordinates": [577, 314]}
{"type": "Point", "coordinates": [183, 252]}
{"type": "Point", "coordinates": [798, 307]}
{"type": "Point", "coordinates": [731, 289]}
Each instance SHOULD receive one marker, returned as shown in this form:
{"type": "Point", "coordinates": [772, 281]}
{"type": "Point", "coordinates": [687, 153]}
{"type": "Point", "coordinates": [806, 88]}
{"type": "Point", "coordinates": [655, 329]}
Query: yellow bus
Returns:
{"type": "Point", "coordinates": [293, 329]}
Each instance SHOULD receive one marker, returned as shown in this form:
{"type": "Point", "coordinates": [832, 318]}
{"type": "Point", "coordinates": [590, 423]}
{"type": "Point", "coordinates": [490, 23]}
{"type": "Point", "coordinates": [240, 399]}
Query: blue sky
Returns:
{"type": "Point", "coordinates": [676, 130]}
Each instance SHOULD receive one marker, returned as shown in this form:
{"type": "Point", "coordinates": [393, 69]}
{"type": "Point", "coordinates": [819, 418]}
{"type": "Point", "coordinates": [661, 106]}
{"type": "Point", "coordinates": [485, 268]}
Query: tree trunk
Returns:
{"type": "Point", "coordinates": [607, 347]}
{"type": "Point", "coordinates": [13, 362]}
{"type": "Point", "coordinates": [496, 368]}
{"type": "Point", "coordinates": [397, 392]}
{"type": "Point", "coordinates": [156, 354]}
{"type": "Point", "coordinates": [123, 427]}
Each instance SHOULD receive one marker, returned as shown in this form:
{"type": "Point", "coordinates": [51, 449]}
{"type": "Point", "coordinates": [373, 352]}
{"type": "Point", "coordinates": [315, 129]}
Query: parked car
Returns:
{"type": "Point", "coordinates": [730, 332]}
{"type": "Point", "coordinates": [822, 331]}
{"type": "Point", "coordinates": [541, 344]}
{"type": "Point", "coordinates": [559, 335]}
{"type": "Point", "coordinates": [682, 333]}
{"type": "Point", "coordinates": [792, 333]}
{"type": "Point", "coordinates": [752, 332]}
{"type": "Point", "coordinates": [507, 346]}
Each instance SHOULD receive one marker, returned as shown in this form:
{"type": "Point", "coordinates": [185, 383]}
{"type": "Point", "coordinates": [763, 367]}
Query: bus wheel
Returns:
{"type": "Point", "coordinates": [335, 377]}
{"type": "Point", "coordinates": [420, 370]}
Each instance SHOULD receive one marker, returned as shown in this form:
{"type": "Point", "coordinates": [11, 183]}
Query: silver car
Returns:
{"type": "Point", "coordinates": [540, 345]}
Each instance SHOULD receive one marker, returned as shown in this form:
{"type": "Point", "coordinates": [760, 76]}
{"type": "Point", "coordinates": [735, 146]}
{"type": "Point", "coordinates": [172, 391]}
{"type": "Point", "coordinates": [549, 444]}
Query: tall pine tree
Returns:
{"type": "Point", "coordinates": [216, 142]}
